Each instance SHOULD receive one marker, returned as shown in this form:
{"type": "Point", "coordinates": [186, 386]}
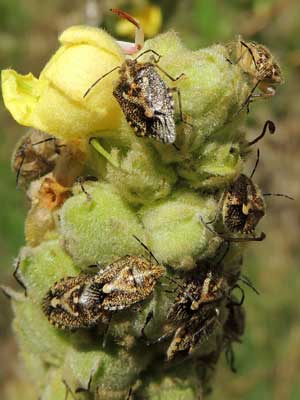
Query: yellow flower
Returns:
{"type": "Point", "coordinates": [54, 103]}
{"type": "Point", "coordinates": [150, 18]}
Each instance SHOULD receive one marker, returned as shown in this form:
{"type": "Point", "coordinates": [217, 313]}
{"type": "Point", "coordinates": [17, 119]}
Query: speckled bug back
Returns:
{"type": "Point", "coordinates": [257, 61]}
{"type": "Point", "coordinates": [146, 101]}
{"type": "Point", "coordinates": [70, 303]}
{"type": "Point", "coordinates": [127, 281]}
{"type": "Point", "coordinates": [243, 206]}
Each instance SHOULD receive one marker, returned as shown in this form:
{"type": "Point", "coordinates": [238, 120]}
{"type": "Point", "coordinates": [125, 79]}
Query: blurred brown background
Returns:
{"type": "Point", "coordinates": [268, 361]}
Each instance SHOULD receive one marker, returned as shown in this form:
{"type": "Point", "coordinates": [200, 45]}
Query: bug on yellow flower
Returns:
{"type": "Point", "coordinates": [146, 101]}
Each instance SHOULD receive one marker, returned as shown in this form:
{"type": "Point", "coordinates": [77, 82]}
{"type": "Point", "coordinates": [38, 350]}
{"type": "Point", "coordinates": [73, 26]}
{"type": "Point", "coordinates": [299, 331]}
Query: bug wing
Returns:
{"type": "Point", "coordinates": [159, 98]}
{"type": "Point", "coordinates": [134, 114]}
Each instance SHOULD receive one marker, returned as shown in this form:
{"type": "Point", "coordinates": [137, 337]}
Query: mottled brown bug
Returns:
{"type": "Point", "coordinates": [146, 101]}
{"type": "Point", "coordinates": [241, 207]}
{"type": "Point", "coordinates": [69, 303]}
{"type": "Point", "coordinates": [127, 281]}
{"type": "Point", "coordinates": [82, 301]}
{"type": "Point", "coordinates": [194, 314]}
{"type": "Point", "coordinates": [258, 62]}
{"type": "Point", "coordinates": [193, 331]}
{"type": "Point", "coordinates": [35, 155]}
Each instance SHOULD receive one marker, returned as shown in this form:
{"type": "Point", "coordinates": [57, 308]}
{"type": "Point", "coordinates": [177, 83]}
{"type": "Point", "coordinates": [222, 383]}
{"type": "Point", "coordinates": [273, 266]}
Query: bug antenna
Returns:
{"type": "Point", "coordinates": [247, 282]}
{"type": "Point", "coordinates": [99, 79]}
{"type": "Point", "coordinates": [270, 126]}
{"type": "Point", "coordinates": [279, 195]}
{"type": "Point", "coordinates": [256, 164]}
{"type": "Point", "coordinates": [146, 248]}
{"type": "Point", "coordinates": [43, 141]}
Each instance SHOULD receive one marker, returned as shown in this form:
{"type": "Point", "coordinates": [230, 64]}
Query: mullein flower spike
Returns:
{"type": "Point", "coordinates": [129, 255]}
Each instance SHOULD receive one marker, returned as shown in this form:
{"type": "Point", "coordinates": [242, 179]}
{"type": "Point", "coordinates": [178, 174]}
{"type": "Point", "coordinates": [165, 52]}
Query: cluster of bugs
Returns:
{"type": "Point", "coordinates": [145, 99]}
{"type": "Point", "coordinates": [85, 300]}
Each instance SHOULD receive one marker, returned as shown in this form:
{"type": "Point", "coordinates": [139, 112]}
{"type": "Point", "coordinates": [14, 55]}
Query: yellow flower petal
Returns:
{"type": "Point", "coordinates": [54, 103]}
{"type": "Point", "coordinates": [21, 94]}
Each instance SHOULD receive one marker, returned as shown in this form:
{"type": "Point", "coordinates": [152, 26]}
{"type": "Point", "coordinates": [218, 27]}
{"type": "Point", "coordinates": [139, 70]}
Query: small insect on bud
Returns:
{"type": "Point", "coordinates": [67, 305]}
{"type": "Point", "coordinates": [241, 206]}
{"type": "Point", "coordinates": [194, 313]}
{"type": "Point", "coordinates": [127, 281]}
{"type": "Point", "coordinates": [258, 62]}
{"type": "Point", "coordinates": [146, 101]}
{"type": "Point", "coordinates": [35, 156]}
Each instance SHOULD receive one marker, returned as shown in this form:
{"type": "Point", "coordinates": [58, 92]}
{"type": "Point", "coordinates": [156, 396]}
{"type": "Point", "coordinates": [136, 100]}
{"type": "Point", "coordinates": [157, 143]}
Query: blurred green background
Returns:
{"type": "Point", "coordinates": [268, 361]}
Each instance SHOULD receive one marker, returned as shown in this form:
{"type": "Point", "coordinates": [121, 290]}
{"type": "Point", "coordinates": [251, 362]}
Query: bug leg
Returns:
{"type": "Point", "coordinates": [81, 180]}
{"type": "Point", "coordinates": [129, 394]}
{"type": "Point", "coordinates": [149, 317]}
{"type": "Point", "coordinates": [154, 53]}
{"type": "Point", "coordinates": [230, 358]}
{"type": "Point", "coordinates": [177, 78]}
{"type": "Point", "coordinates": [88, 388]}
{"type": "Point", "coordinates": [105, 334]}
{"type": "Point", "coordinates": [181, 116]}
{"type": "Point", "coordinates": [68, 390]}
{"type": "Point", "coordinates": [15, 275]}
{"type": "Point", "coordinates": [259, 238]}
{"type": "Point", "coordinates": [233, 302]}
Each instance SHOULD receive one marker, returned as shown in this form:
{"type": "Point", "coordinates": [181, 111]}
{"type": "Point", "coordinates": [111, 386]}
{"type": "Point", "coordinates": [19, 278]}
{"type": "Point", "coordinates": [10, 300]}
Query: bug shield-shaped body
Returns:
{"type": "Point", "coordinates": [127, 281]}
{"type": "Point", "coordinates": [195, 313]}
{"type": "Point", "coordinates": [243, 206]}
{"type": "Point", "coordinates": [74, 302]}
{"type": "Point", "coordinates": [146, 101]}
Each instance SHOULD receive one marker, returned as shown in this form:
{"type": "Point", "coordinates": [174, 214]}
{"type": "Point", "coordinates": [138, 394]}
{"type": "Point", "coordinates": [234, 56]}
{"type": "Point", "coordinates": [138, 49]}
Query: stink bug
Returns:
{"type": "Point", "coordinates": [35, 156]}
{"type": "Point", "coordinates": [259, 64]}
{"type": "Point", "coordinates": [68, 306]}
{"type": "Point", "coordinates": [127, 281]}
{"type": "Point", "coordinates": [146, 101]}
{"type": "Point", "coordinates": [194, 314]}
